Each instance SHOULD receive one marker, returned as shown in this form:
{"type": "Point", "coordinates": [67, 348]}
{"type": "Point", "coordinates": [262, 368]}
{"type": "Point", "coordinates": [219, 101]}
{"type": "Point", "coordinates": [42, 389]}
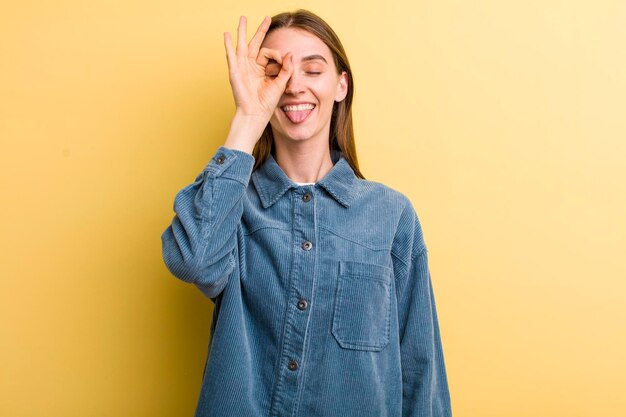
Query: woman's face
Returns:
{"type": "Point", "coordinates": [305, 109]}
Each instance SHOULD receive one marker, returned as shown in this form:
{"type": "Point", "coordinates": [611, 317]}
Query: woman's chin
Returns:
{"type": "Point", "coordinates": [295, 133]}
{"type": "Point", "coordinates": [298, 137]}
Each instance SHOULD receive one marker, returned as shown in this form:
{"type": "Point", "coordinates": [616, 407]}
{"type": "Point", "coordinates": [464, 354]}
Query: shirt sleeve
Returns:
{"type": "Point", "coordinates": [200, 244]}
{"type": "Point", "coordinates": [424, 383]}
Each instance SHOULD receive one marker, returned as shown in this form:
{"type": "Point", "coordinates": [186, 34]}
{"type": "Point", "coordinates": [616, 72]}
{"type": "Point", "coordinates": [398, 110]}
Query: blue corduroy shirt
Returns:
{"type": "Point", "coordinates": [324, 304]}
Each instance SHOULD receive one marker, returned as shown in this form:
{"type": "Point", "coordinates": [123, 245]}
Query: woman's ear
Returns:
{"type": "Point", "coordinates": [342, 87]}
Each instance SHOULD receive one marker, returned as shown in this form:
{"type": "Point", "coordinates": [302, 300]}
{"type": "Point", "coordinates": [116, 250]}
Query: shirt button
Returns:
{"type": "Point", "coordinates": [302, 304]}
{"type": "Point", "coordinates": [306, 197]}
{"type": "Point", "coordinates": [293, 365]}
{"type": "Point", "coordinates": [307, 245]}
{"type": "Point", "coordinates": [220, 159]}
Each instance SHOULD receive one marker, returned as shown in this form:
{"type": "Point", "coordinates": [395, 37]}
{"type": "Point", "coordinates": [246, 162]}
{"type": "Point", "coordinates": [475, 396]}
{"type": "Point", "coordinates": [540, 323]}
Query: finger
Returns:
{"type": "Point", "coordinates": [286, 70]}
{"type": "Point", "coordinates": [230, 51]}
{"type": "Point", "coordinates": [242, 47]}
{"type": "Point", "coordinates": [265, 54]}
{"type": "Point", "coordinates": [257, 40]}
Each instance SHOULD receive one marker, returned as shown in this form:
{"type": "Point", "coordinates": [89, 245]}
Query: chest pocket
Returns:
{"type": "Point", "coordinates": [362, 311]}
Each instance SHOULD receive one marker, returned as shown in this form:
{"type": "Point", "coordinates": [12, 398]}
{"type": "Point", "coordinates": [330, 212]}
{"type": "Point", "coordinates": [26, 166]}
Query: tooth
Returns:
{"type": "Point", "coordinates": [299, 107]}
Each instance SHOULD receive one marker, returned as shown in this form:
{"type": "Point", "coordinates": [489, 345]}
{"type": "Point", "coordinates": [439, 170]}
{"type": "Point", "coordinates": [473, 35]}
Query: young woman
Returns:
{"type": "Point", "coordinates": [323, 299]}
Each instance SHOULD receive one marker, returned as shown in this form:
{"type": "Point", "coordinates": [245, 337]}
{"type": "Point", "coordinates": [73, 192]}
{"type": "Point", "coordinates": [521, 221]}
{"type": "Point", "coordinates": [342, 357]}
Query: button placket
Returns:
{"type": "Point", "coordinates": [293, 350]}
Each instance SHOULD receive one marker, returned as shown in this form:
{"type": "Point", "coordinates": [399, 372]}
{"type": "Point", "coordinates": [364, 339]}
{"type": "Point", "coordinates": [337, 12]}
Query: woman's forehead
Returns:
{"type": "Point", "coordinates": [297, 41]}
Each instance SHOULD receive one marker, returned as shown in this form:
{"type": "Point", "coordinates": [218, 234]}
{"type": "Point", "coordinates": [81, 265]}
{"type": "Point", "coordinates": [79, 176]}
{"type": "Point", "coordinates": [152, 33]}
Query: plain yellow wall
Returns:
{"type": "Point", "coordinates": [503, 121]}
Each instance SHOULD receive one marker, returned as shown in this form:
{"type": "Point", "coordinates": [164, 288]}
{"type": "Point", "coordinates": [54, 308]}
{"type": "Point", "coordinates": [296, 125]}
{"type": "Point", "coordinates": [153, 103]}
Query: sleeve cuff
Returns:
{"type": "Point", "coordinates": [230, 163]}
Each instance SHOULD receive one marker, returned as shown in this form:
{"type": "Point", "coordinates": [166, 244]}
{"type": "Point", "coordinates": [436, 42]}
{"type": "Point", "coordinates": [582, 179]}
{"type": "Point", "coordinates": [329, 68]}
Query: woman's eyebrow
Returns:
{"type": "Point", "coordinates": [314, 57]}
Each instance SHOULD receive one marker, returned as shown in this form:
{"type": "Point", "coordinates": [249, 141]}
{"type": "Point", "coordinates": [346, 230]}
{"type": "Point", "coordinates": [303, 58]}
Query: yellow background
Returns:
{"type": "Point", "coordinates": [503, 121]}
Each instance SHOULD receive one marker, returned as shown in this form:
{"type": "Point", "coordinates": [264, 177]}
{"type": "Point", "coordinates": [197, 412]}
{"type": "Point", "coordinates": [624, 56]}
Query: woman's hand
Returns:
{"type": "Point", "coordinates": [256, 95]}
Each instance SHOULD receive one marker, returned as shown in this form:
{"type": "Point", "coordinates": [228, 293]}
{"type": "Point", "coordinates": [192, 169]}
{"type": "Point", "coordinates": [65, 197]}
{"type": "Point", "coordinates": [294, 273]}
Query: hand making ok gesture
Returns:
{"type": "Point", "coordinates": [256, 95]}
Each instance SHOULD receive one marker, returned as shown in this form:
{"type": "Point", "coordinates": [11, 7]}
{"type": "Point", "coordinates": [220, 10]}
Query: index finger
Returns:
{"type": "Point", "coordinates": [257, 39]}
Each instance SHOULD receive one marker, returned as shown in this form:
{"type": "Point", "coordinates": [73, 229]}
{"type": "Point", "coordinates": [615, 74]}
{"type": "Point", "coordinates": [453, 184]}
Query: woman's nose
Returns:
{"type": "Point", "coordinates": [294, 84]}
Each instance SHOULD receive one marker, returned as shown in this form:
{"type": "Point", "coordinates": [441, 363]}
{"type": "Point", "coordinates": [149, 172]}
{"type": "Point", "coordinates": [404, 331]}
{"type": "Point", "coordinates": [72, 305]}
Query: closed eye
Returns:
{"type": "Point", "coordinates": [272, 69]}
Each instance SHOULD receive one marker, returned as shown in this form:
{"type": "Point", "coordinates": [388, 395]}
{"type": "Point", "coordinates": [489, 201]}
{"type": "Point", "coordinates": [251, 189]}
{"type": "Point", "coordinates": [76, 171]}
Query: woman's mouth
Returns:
{"type": "Point", "coordinates": [298, 113]}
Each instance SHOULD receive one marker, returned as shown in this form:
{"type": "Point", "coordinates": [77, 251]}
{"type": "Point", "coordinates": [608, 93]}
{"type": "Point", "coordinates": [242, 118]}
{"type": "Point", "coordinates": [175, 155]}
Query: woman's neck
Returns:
{"type": "Point", "coordinates": [304, 161]}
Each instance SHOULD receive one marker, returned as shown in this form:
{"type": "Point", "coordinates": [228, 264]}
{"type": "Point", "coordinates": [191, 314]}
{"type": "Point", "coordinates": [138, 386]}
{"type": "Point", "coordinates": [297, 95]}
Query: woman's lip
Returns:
{"type": "Point", "coordinates": [295, 103]}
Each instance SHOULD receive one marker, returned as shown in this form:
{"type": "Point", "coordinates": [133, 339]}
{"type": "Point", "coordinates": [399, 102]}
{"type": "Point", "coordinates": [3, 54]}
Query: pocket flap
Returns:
{"type": "Point", "coordinates": [356, 268]}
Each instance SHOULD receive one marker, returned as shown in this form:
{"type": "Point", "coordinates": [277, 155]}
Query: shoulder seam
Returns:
{"type": "Point", "coordinates": [407, 206]}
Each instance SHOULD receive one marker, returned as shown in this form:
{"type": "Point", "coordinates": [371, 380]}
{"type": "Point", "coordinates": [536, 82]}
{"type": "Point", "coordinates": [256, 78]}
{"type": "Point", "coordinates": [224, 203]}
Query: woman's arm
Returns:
{"type": "Point", "coordinates": [199, 246]}
{"type": "Point", "coordinates": [424, 382]}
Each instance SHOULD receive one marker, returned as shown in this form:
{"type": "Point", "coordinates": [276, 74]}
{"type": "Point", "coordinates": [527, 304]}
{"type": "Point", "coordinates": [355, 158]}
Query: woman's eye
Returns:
{"type": "Point", "coordinates": [313, 73]}
{"type": "Point", "coordinates": [272, 70]}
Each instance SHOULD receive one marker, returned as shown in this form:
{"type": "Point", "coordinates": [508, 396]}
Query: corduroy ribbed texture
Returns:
{"type": "Point", "coordinates": [324, 305]}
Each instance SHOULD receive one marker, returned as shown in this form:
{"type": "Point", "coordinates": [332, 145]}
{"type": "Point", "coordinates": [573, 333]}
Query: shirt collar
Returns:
{"type": "Point", "coordinates": [271, 182]}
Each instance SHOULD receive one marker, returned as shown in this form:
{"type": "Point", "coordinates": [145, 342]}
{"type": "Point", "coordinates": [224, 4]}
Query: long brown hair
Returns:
{"type": "Point", "coordinates": [341, 130]}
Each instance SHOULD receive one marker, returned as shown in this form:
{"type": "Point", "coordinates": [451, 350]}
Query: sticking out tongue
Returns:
{"type": "Point", "coordinates": [298, 116]}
